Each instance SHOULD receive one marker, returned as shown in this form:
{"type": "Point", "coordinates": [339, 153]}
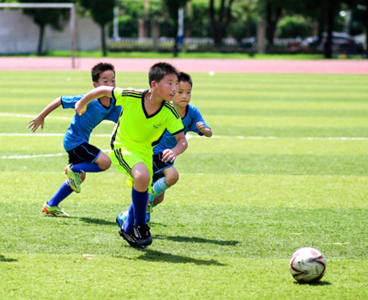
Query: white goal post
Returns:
{"type": "Point", "coordinates": [52, 5]}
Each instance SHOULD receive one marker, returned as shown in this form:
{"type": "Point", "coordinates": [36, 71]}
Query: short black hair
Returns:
{"type": "Point", "coordinates": [159, 70]}
{"type": "Point", "coordinates": [99, 68]}
{"type": "Point", "coordinates": [184, 77]}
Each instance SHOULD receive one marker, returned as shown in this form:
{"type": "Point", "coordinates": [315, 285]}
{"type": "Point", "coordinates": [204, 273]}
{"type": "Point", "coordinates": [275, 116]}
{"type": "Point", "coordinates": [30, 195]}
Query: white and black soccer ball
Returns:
{"type": "Point", "coordinates": [307, 265]}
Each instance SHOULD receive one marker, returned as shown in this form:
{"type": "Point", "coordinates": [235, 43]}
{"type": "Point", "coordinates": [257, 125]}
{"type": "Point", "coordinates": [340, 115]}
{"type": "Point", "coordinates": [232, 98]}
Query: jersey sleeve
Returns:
{"type": "Point", "coordinates": [175, 125]}
{"type": "Point", "coordinates": [197, 117]}
{"type": "Point", "coordinates": [114, 114]}
{"type": "Point", "coordinates": [123, 96]}
{"type": "Point", "coordinates": [69, 101]}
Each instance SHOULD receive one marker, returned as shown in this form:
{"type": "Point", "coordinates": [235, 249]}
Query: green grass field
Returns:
{"type": "Point", "coordinates": [286, 168]}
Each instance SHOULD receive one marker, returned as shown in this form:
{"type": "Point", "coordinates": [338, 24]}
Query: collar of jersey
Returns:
{"type": "Point", "coordinates": [144, 109]}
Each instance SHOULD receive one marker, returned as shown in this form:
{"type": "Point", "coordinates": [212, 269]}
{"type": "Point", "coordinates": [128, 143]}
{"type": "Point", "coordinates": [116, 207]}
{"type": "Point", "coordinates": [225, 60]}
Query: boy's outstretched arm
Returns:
{"type": "Point", "coordinates": [101, 91]}
{"type": "Point", "coordinates": [171, 154]}
{"type": "Point", "coordinates": [205, 130]}
{"type": "Point", "coordinates": [40, 119]}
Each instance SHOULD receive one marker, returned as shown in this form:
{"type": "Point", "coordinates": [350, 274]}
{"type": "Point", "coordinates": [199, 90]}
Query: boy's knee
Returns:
{"type": "Point", "coordinates": [158, 199]}
{"type": "Point", "coordinates": [104, 163]}
{"type": "Point", "coordinates": [171, 177]}
{"type": "Point", "coordinates": [142, 179]}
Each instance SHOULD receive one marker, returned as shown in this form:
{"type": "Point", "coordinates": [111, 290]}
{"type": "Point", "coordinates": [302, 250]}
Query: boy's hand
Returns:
{"type": "Point", "coordinates": [35, 123]}
{"type": "Point", "coordinates": [168, 155]}
{"type": "Point", "coordinates": [201, 127]}
{"type": "Point", "coordinates": [79, 108]}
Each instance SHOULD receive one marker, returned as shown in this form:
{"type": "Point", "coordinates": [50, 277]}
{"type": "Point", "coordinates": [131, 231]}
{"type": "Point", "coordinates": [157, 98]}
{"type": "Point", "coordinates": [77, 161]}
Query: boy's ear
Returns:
{"type": "Point", "coordinates": [95, 84]}
{"type": "Point", "coordinates": [153, 85]}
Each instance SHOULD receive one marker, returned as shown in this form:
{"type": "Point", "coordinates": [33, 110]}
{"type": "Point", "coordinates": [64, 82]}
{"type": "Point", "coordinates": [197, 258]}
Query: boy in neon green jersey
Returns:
{"type": "Point", "coordinates": [145, 116]}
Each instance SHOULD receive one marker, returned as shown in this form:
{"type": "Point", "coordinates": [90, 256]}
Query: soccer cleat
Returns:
{"type": "Point", "coordinates": [55, 211]}
{"type": "Point", "coordinates": [123, 216]}
{"type": "Point", "coordinates": [74, 179]}
{"type": "Point", "coordinates": [120, 220]}
{"type": "Point", "coordinates": [148, 212]}
{"type": "Point", "coordinates": [143, 235]}
{"type": "Point", "coordinates": [129, 237]}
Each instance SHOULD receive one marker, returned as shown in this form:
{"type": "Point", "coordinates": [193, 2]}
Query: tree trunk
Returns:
{"type": "Point", "coordinates": [40, 40]}
{"type": "Point", "coordinates": [330, 25]}
{"type": "Point", "coordinates": [155, 34]}
{"type": "Point", "coordinates": [366, 32]}
{"type": "Point", "coordinates": [211, 16]}
{"type": "Point", "coordinates": [175, 49]}
{"type": "Point", "coordinates": [103, 41]}
{"type": "Point", "coordinates": [273, 16]}
{"type": "Point", "coordinates": [366, 42]}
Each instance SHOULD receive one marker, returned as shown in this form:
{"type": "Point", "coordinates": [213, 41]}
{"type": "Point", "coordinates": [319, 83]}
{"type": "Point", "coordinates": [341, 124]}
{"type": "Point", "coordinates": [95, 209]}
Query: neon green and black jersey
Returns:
{"type": "Point", "coordinates": [138, 132]}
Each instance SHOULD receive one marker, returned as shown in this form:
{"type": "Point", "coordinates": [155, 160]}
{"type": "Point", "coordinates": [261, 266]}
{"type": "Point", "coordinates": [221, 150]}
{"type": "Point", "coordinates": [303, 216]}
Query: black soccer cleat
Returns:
{"type": "Point", "coordinates": [143, 235]}
{"type": "Point", "coordinates": [129, 237]}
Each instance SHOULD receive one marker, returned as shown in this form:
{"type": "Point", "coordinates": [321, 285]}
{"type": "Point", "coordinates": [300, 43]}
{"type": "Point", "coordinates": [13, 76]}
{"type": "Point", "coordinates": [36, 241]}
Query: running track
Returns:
{"type": "Point", "coordinates": [192, 65]}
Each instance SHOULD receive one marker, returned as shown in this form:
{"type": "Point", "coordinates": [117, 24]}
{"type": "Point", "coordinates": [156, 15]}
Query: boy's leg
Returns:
{"type": "Point", "coordinates": [51, 207]}
{"type": "Point", "coordinates": [101, 163]}
{"type": "Point", "coordinates": [85, 158]}
{"type": "Point", "coordinates": [142, 179]}
{"type": "Point", "coordinates": [135, 166]}
{"type": "Point", "coordinates": [63, 192]}
{"type": "Point", "coordinates": [162, 184]}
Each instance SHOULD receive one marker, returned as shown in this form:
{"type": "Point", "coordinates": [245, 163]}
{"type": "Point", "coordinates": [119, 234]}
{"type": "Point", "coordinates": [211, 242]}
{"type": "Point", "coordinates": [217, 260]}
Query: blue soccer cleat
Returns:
{"type": "Point", "coordinates": [148, 212]}
{"type": "Point", "coordinates": [120, 218]}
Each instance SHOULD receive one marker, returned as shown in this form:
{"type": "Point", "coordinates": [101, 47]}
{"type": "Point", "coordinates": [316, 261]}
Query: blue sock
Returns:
{"type": "Point", "coordinates": [85, 167]}
{"type": "Point", "coordinates": [129, 223]}
{"type": "Point", "coordinates": [140, 200]}
{"type": "Point", "coordinates": [63, 192]}
{"type": "Point", "coordinates": [158, 188]}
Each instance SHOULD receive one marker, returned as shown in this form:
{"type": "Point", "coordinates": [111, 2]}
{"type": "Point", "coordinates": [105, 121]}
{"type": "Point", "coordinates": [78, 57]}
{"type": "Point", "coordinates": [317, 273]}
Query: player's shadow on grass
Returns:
{"type": "Point", "coordinates": [98, 221]}
{"type": "Point", "coordinates": [185, 239]}
{"type": "Point", "coordinates": [319, 283]}
{"type": "Point", "coordinates": [4, 259]}
{"type": "Point", "coordinates": [157, 256]}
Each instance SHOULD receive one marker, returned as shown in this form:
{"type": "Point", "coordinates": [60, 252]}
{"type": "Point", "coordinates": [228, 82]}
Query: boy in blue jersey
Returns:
{"type": "Point", "coordinates": [83, 157]}
{"type": "Point", "coordinates": [165, 174]}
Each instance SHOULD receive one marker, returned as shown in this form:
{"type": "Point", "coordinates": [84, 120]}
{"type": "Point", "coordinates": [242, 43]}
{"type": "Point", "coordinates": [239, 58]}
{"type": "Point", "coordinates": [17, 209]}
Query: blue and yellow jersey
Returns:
{"type": "Point", "coordinates": [137, 131]}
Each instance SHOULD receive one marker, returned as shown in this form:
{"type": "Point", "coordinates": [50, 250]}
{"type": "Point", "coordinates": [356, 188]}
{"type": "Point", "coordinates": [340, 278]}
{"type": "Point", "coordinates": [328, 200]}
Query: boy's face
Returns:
{"type": "Point", "coordinates": [107, 78]}
{"type": "Point", "coordinates": [167, 87]}
{"type": "Point", "coordinates": [182, 96]}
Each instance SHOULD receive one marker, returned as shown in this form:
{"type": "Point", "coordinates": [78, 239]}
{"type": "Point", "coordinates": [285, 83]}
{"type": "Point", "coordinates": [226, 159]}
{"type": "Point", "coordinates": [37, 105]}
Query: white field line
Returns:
{"type": "Point", "coordinates": [189, 136]}
{"type": "Point", "coordinates": [37, 156]}
{"type": "Point", "coordinates": [32, 116]}
{"type": "Point", "coordinates": [284, 137]}
{"type": "Point", "coordinates": [45, 134]}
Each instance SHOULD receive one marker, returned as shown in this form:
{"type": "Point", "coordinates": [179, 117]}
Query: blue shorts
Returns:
{"type": "Point", "coordinates": [83, 152]}
{"type": "Point", "coordinates": [159, 166]}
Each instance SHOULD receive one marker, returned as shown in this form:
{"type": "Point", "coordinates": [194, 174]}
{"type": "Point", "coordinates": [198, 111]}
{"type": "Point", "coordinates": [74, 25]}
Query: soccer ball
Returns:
{"type": "Point", "coordinates": [307, 265]}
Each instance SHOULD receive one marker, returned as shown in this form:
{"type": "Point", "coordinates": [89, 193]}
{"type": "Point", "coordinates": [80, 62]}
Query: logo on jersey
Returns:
{"type": "Point", "coordinates": [157, 126]}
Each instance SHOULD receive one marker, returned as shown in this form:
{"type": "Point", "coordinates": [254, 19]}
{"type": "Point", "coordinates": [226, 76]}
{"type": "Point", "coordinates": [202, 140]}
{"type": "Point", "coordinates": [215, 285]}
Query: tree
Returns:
{"type": "Point", "coordinates": [220, 19]}
{"type": "Point", "coordinates": [364, 13]}
{"type": "Point", "coordinates": [360, 7]}
{"type": "Point", "coordinates": [325, 12]}
{"type": "Point", "coordinates": [244, 18]}
{"type": "Point", "coordinates": [46, 16]}
{"type": "Point", "coordinates": [273, 15]}
{"type": "Point", "coordinates": [102, 12]}
{"type": "Point", "coordinates": [172, 7]}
